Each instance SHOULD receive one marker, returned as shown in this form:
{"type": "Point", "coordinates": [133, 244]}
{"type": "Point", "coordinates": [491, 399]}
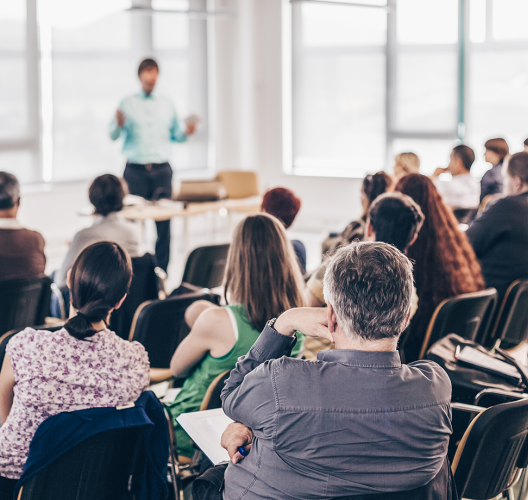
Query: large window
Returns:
{"type": "Point", "coordinates": [82, 58]}
{"type": "Point", "coordinates": [368, 82]}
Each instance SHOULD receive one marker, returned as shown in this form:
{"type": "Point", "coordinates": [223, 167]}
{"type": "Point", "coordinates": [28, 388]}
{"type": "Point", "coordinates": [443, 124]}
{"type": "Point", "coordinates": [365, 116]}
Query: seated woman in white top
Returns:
{"type": "Point", "coordinates": [106, 195]}
{"type": "Point", "coordinates": [83, 365]}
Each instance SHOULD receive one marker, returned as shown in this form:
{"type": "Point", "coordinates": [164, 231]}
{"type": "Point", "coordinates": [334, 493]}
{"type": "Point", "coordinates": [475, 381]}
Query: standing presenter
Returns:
{"type": "Point", "coordinates": [149, 125]}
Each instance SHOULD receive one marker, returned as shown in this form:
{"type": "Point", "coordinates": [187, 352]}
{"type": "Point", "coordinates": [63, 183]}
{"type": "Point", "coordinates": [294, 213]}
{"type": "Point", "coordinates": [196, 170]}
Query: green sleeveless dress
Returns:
{"type": "Point", "coordinates": [195, 386]}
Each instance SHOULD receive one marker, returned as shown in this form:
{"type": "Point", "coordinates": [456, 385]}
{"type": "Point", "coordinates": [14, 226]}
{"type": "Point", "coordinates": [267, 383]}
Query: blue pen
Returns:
{"type": "Point", "coordinates": [242, 451]}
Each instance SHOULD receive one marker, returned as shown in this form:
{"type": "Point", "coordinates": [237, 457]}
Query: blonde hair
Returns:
{"type": "Point", "coordinates": [262, 271]}
{"type": "Point", "coordinates": [409, 162]}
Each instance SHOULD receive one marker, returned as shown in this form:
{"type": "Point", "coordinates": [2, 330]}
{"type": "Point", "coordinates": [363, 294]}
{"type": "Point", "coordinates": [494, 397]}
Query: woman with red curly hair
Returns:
{"type": "Point", "coordinates": [445, 263]}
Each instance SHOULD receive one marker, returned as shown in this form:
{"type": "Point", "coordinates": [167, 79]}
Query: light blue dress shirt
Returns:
{"type": "Point", "coordinates": [151, 126]}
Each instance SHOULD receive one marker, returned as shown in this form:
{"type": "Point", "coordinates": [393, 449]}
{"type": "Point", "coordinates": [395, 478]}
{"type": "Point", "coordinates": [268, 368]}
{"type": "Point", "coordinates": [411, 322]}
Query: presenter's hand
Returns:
{"type": "Point", "coordinates": [312, 321]}
{"type": "Point", "coordinates": [236, 435]}
{"type": "Point", "coordinates": [191, 129]}
{"type": "Point", "coordinates": [120, 118]}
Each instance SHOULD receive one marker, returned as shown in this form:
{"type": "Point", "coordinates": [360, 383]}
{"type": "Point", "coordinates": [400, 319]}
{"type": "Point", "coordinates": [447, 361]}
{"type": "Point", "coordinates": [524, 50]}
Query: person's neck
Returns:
{"type": "Point", "coordinates": [98, 326]}
{"type": "Point", "coordinates": [9, 213]}
{"type": "Point", "coordinates": [461, 172]}
{"type": "Point", "coordinates": [524, 189]}
{"type": "Point", "coordinates": [388, 344]}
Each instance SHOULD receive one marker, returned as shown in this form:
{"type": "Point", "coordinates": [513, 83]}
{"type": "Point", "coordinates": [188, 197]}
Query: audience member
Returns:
{"type": "Point", "coordinates": [445, 265]}
{"type": "Point", "coordinates": [81, 366]}
{"type": "Point", "coordinates": [284, 205]}
{"type": "Point", "coordinates": [262, 279]}
{"type": "Point", "coordinates": [462, 191]}
{"type": "Point", "coordinates": [496, 151]}
{"type": "Point", "coordinates": [526, 145]}
{"type": "Point", "coordinates": [391, 218]}
{"type": "Point", "coordinates": [357, 421]}
{"type": "Point", "coordinates": [106, 195]}
{"type": "Point", "coordinates": [21, 250]}
{"type": "Point", "coordinates": [405, 164]}
{"type": "Point", "coordinates": [372, 187]}
{"type": "Point", "coordinates": [500, 234]}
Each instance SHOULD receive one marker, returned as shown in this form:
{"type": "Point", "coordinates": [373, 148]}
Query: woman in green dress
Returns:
{"type": "Point", "coordinates": [262, 279]}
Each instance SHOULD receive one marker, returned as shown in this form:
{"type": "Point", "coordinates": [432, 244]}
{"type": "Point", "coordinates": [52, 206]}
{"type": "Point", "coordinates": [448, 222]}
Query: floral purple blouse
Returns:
{"type": "Point", "coordinates": [55, 372]}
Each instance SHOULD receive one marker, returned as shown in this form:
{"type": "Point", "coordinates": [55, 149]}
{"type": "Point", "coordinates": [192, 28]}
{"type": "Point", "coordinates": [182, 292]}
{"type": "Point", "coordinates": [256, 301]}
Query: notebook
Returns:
{"type": "Point", "coordinates": [474, 357]}
{"type": "Point", "coordinates": [205, 428]}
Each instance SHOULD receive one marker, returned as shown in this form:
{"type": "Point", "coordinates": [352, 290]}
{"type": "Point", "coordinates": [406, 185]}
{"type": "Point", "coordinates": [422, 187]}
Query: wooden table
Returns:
{"type": "Point", "coordinates": [167, 209]}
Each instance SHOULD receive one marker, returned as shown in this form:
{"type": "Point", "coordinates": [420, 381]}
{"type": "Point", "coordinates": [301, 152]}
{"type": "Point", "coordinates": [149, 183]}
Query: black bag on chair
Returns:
{"type": "Point", "coordinates": [468, 381]}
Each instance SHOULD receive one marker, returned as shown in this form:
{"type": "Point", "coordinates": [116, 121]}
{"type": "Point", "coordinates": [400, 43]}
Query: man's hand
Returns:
{"type": "Point", "coordinates": [191, 129]}
{"type": "Point", "coordinates": [120, 118]}
{"type": "Point", "coordinates": [439, 171]}
{"type": "Point", "coordinates": [312, 321]}
{"type": "Point", "coordinates": [234, 436]}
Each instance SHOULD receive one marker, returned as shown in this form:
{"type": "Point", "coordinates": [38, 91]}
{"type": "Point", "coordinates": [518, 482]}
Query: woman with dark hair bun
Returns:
{"type": "Point", "coordinates": [445, 264]}
{"type": "Point", "coordinates": [83, 365]}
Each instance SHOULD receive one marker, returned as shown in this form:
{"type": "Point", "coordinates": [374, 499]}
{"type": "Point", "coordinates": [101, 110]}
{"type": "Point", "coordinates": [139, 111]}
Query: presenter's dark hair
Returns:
{"type": "Point", "coordinates": [147, 63]}
{"type": "Point", "coordinates": [466, 155]}
{"type": "Point", "coordinates": [9, 191]}
{"type": "Point", "coordinates": [100, 277]}
{"type": "Point", "coordinates": [106, 194]}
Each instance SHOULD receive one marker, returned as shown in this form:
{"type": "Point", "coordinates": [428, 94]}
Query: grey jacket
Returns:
{"type": "Point", "coordinates": [350, 423]}
{"type": "Point", "coordinates": [113, 227]}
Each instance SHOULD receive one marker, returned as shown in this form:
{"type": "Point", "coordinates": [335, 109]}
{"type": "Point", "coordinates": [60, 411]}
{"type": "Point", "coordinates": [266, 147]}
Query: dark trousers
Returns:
{"type": "Point", "coordinates": [153, 182]}
{"type": "Point", "coordinates": [7, 488]}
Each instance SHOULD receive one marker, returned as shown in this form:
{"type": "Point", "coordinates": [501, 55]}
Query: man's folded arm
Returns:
{"type": "Point", "coordinates": [250, 399]}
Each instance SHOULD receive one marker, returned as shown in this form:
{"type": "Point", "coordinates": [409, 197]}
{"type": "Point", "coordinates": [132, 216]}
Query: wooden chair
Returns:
{"type": "Point", "coordinates": [239, 183]}
{"type": "Point", "coordinates": [160, 326]}
{"type": "Point", "coordinates": [462, 315]}
{"type": "Point", "coordinates": [493, 451]}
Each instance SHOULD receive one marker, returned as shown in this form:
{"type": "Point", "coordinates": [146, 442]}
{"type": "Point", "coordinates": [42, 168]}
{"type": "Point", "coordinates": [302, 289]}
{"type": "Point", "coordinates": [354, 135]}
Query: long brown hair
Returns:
{"type": "Point", "coordinates": [262, 272]}
{"type": "Point", "coordinates": [445, 263]}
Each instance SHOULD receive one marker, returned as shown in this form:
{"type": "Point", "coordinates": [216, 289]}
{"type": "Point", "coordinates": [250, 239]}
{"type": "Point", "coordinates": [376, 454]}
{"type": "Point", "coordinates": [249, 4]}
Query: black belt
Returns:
{"type": "Point", "coordinates": [147, 166]}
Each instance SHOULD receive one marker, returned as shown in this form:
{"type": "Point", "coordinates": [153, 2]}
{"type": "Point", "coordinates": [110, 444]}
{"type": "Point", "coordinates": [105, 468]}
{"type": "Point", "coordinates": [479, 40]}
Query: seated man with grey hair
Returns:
{"type": "Point", "coordinates": [356, 421]}
{"type": "Point", "coordinates": [21, 250]}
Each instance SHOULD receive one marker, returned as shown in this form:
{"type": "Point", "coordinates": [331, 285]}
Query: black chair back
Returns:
{"type": "Point", "coordinates": [492, 451]}
{"type": "Point", "coordinates": [211, 400]}
{"type": "Point", "coordinates": [465, 215]}
{"type": "Point", "coordinates": [24, 303]}
{"type": "Point", "coordinates": [98, 467]}
{"type": "Point", "coordinates": [144, 287]}
{"type": "Point", "coordinates": [511, 326]}
{"type": "Point", "coordinates": [462, 315]}
{"type": "Point", "coordinates": [6, 337]}
{"type": "Point", "coordinates": [205, 266]}
{"type": "Point", "coordinates": [160, 325]}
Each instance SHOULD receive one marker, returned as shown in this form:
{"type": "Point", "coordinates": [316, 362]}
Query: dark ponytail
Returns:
{"type": "Point", "coordinates": [100, 277]}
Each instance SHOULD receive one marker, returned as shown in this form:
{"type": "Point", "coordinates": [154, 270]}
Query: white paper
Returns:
{"type": "Point", "coordinates": [170, 395]}
{"type": "Point", "coordinates": [205, 428]}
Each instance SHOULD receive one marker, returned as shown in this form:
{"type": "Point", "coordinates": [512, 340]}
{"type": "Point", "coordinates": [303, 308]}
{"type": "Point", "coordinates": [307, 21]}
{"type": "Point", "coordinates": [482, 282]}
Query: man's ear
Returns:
{"type": "Point", "coordinates": [68, 278]}
{"type": "Point", "coordinates": [332, 320]}
{"type": "Point", "coordinates": [415, 237]}
{"type": "Point", "coordinates": [120, 303]}
{"type": "Point", "coordinates": [370, 234]}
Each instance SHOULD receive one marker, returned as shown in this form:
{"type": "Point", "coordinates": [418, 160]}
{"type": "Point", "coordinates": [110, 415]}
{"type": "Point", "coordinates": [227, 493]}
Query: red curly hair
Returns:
{"type": "Point", "coordinates": [445, 264]}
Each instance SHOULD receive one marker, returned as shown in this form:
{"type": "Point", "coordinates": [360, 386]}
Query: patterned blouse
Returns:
{"type": "Point", "coordinates": [54, 372]}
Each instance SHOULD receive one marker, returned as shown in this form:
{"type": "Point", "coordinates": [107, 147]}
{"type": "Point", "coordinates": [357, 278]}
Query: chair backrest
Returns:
{"type": "Point", "coordinates": [144, 287]}
{"type": "Point", "coordinates": [212, 400]}
{"type": "Point", "coordinates": [239, 183]}
{"type": "Point", "coordinates": [160, 325]}
{"type": "Point", "coordinates": [462, 315]}
{"type": "Point", "coordinates": [465, 215]}
{"type": "Point", "coordinates": [492, 451]}
{"type": "Point", "coordinates": [511, 325]}
{"type": "Point", "coordinates": [205, 266]}
{"type": "Point", "coordinates": [24, 303]}
{"type": "Point", "coordinates": [98, 467]}
{"type": "Point", "coordinates": [6, 337]}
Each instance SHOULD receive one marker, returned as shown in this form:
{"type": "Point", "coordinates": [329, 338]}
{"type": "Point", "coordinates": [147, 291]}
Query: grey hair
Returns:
{"type": "Point", "coordinates": [9, 191]}
{"type": "Point", "coordinates": [369, 285]}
